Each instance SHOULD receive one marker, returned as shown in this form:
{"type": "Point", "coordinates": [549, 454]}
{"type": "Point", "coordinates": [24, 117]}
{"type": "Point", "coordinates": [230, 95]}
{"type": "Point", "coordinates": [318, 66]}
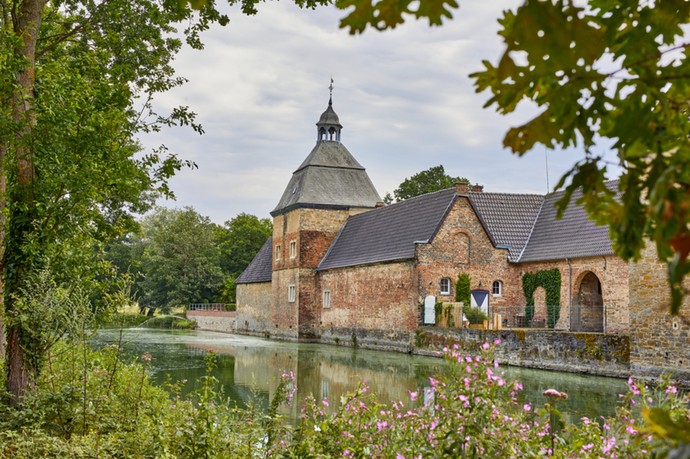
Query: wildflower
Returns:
{"type": "Point", "coordinates": [485, 346]}
{"type": "Point", "coordinates": [146, 357]}
{"type": "Point", "coordinates": [527, 407]}
{"type": "Point", "coordinates": [413, 395]}
{"type": "Point", "coordinates": [554, 393]}
{"type": "Point", "coordinates": [325, 402]}
{"type": "Point", "coordinates": [585, 420]}
{"type": "Point", "coordinates": [671, 390]}
{"type": "Point", "coordinates": [433, 381]}
{"type": "Point", "coordinates": [497, 341]}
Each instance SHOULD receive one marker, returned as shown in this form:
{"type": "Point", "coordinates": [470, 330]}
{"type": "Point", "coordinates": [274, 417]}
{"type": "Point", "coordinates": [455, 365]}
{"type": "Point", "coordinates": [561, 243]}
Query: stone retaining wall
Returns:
{"type": "Point", "coordinates": [588, 353]}
{"type": "Point", "coordinates": [221, 321]}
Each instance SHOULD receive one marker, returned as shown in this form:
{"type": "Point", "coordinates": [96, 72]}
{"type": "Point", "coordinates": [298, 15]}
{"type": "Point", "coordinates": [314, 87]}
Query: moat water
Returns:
{"type": "Point", "coordinates": [249, 368]}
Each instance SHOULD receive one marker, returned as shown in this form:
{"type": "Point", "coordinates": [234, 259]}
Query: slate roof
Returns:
{"type": "Point", "coordinates": [388, 233]}
{"type": "Point", "coordinates": [573, 236]}
{"type": "Point", "coordinates": [507, 218]}
{"type": "Point", "coordinates": [261, 267]}
{"type": "Point", "coordinates": [330, 177]}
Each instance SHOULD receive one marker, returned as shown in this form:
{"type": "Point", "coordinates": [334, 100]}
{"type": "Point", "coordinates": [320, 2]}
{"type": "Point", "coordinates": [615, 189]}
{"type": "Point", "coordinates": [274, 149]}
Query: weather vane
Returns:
{"type": "Point", "coordinates": [330, 98]}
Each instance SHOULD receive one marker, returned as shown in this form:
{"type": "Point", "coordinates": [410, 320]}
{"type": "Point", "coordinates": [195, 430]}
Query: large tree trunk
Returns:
{"type": "Point", "coordinates": [20, 199]}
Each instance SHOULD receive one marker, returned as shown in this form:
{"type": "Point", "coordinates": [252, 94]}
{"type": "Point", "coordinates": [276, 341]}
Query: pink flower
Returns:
{"type": "Point", "coordinates": [485, 346]}
{"type": "Point", "coordinates": [413, 395]}
{"type": "Point", "coordinates": [497, 341]}
{"type": "Point", "coordinates": [527, 407]}
{"type": "Point", "coordinates": [325, 402]}
{"type": "Point", "coordinates": [554, 393]}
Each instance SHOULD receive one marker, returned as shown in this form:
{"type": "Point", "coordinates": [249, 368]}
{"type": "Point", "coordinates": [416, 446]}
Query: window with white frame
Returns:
{"type": "Point", "coordinates": [445, 286]}
{"type": "Point", "coordinates": [277, 257]}
{"type": "Point", "coordinates": [292, 293]}
{"type": "Point", "coordinates": [326, 298]}
{"type": "Point", "coordinates": [497, 288]}
{"type": "Point", "coordinates": [293, 249]}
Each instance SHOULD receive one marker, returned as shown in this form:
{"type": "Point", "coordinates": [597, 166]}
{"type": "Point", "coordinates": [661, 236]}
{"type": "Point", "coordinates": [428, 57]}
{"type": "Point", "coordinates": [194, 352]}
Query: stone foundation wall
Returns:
{"type": "Point", "coordinates": [589, 353]}
{"type": "Point", "coordinates": [220, 321]}
{"type": "Point", "coordinates": [659, 343]}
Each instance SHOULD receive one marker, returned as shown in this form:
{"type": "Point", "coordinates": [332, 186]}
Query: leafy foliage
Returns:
{"type": "Point", "coordinates": [550, 280]}
{"type": "Point", "coordinates": [428, 181]}
{"type": "Point", "coordinates": [463, 289]}
{"type": "Point", "coordinates": [599, 70]}
{"type": "Point", "coordinates": [240, 239]}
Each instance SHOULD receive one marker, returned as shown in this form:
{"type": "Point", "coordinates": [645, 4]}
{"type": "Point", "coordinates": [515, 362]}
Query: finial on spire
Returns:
{"type": "Point", "coordinates": [330, 98]}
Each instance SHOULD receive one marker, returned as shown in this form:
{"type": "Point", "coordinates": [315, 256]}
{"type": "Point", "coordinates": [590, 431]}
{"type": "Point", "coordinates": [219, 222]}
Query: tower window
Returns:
{"type": "Point", "coordinates": [326, 299]}
{"type": "Point", "coordinates": [277, 257]}
{"type": "Point", "coordinates": [497, 288]}
{"type": "Point", "coordinates": [293, 249]}
{"type": "Point", "coordinates": [445, 286]}
{"type": "Point", "coordinates": [292, 293]}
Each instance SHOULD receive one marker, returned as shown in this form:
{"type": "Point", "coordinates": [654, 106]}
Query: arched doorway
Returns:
{"type": "Point", "coordinates": [588, 305]}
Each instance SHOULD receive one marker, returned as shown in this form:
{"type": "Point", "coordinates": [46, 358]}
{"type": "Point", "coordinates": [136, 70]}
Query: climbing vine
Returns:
{"type": "Point", "coordinates": [550, 280]}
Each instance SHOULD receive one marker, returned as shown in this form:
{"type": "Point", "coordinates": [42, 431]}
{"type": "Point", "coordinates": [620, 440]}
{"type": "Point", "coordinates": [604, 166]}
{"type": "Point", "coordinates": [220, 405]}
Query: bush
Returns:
{"type": "Point", "coordinates": [474, 315]}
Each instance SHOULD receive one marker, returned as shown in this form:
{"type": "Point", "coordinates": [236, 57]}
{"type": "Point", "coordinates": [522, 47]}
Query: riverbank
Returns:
{"type": "Point", "coordinates": [583, 353]}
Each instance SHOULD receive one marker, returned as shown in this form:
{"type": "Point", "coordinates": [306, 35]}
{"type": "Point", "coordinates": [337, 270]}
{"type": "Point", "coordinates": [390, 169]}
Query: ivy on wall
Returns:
{"type": "Point", "coordinates": [550, 281]}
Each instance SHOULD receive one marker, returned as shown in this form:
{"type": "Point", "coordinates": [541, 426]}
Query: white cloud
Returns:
{"type": "Point", "coordinates": [404, 97]}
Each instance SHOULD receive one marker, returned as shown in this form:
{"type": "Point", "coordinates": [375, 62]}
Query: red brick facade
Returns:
{"type": "Point", "coordinates": [389, 296]}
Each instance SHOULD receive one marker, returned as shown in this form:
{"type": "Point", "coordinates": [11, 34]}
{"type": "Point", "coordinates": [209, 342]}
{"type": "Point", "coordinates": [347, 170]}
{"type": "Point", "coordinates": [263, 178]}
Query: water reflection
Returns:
{"type": "Point", "coordinates": [249, 369]}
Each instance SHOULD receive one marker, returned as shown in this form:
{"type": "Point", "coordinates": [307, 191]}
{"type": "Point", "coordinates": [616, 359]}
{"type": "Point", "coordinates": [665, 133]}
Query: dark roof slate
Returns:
{"type": "Point", "coordinates": [329, 177]}
{"type": "Point", "coordinates": [575, 235]}
{"type": "Point", "coordinates": [388, 233]}
{"type": "Point", "coordinates": [507, 218]}
{"type": "Point", "coordinates": [261, 267]}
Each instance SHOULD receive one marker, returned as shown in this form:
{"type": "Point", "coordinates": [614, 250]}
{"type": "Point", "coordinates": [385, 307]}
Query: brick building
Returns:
{"type": "Point", "coordinates": [341, 260]}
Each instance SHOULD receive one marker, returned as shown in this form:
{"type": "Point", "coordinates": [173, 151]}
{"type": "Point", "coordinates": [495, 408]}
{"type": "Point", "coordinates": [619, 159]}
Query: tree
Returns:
{"type": "Point", "coordinates": [240, 240]}
{"type": "Point", "coordinates": [77, 80]}
{"type": "Point", "coordinates": [601, 72]}
{"type": "Point", "coordinates": [180, 261]}
{"type": "Point", "coordinates": [428, 181]}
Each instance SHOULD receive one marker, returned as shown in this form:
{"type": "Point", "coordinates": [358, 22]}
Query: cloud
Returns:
{"type": "Point", "coordinates": [404, 97]}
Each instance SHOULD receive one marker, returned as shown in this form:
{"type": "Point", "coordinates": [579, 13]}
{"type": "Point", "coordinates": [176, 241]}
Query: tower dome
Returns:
{"type": "Point", "coordinates": [329, 127]}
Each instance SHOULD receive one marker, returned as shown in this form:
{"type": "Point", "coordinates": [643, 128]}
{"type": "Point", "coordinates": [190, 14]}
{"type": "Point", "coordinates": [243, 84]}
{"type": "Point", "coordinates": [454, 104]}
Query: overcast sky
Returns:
{"type": "Point", "coordinates": [404, 98]}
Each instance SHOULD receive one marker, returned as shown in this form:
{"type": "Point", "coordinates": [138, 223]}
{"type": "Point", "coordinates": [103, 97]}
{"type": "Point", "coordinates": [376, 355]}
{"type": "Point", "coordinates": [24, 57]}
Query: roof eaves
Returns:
{"type": "Point", "coordinates": [366, 263]}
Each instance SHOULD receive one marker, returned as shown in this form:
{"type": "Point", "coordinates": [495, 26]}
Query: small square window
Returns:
{"type": "Point", "coordinates": [292, 293]}
{"type": "Point", "coordinates": [293, 249]}
{"type": "Point", "coordinates": [326, 299]}
{"type": "Point", "coordinates": [445, 286]}
{"type": "Point", "coordinates": [497, 288]}
{"type": "Point", "coordinates": [277, 257]}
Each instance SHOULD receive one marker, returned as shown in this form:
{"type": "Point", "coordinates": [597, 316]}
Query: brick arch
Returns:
{"type": "Point", "coordinates": [540, 310]}
{"type": "Point", "coordinates": [588, 303]}
{"type": "Point", "coordinates": [464, 240]}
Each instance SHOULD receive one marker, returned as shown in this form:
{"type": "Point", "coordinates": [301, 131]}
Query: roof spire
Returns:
{"type": "Point", "coordinates": [330, 98]}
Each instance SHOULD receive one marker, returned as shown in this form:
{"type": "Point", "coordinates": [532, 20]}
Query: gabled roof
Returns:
{"type": "Point", "coordinates": [507, 218]}
{"type": "Point", "coordinates": [575, 235]}
{"type": "Point", "coordinates": [261, 267]}
{"type": "Point", "coordinates": [330, 177]}
{"type": "Point", "coordinates": [388, 233]}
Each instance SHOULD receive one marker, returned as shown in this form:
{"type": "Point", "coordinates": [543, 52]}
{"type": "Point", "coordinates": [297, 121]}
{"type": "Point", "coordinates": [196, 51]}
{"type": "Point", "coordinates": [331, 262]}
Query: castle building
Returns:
{"type": "Point", "coordinates": [341, 260]}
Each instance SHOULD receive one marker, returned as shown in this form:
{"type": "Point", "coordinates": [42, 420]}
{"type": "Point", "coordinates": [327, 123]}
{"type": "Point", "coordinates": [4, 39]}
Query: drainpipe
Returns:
{"type": "Point", "coordinates": [570, 293]}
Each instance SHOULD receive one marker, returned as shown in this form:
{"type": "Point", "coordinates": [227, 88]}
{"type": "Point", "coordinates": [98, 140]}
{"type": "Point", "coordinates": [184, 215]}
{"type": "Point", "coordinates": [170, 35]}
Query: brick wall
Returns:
{"type": "Point", "coordinates": [462, 246]}
{"type": "Point", "coordinates": [613, 276]}
{"type": "Point", "coordinates": [254, 307]}
{"type": "Point", "coordinates": [380, 296]}
{"type": "Point", "coordinates": [658, 342]}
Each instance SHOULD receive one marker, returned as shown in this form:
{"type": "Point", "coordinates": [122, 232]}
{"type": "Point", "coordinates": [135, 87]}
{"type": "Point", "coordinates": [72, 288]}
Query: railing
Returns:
{"type": "Point", "coordinates": [208, 307]}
